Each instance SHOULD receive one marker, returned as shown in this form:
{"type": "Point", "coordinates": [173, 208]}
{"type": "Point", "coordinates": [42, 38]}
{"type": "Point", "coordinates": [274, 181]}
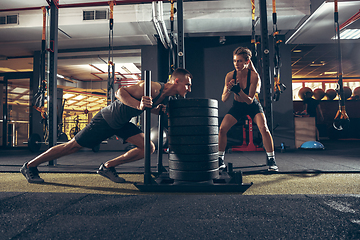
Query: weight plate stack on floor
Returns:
{"type": "Point", "coordinates": [193, 140]}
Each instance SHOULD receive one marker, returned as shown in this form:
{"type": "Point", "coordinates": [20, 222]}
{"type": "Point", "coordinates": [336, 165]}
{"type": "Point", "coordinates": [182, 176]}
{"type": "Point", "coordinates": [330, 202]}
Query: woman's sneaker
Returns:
{"type": "Point", "coordinates": [110, 173]}
{"type": "Point", "coordinates": [31, 174]}
{"type": "Point", "coordinates": [221, 164]}
{"type": "Point", "coordinates": [272, 165]}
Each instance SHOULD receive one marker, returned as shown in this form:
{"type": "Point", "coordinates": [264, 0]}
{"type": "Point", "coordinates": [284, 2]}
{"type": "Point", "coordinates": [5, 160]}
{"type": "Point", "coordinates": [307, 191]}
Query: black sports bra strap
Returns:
{"type": "Point", "coordinates": [246, 90]}
{"type": "Point", "coordinates": [248, 78]}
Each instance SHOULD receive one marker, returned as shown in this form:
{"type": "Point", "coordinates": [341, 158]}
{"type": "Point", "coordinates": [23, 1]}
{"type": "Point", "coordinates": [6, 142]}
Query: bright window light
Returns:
{"type": "Point", "coordinates": [349, 34]}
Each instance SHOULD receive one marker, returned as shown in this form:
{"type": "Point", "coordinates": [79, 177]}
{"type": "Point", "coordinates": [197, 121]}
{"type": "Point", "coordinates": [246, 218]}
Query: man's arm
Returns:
{"type": "Point", "coordinates": [130, 95]}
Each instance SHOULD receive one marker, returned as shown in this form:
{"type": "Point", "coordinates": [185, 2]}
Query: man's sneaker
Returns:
{"type": "Point", "coordinates": [221, 164]}
{"type": "Point", "coordinates": [110, 173]}
{"type": "Point", "coordinates": [31, 174]}
{"type": "Point", "coordinates": [272, 165]}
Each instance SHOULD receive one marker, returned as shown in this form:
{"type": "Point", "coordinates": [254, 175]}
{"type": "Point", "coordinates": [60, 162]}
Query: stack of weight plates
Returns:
{"type": "Point", "coordinates": [193, 140]}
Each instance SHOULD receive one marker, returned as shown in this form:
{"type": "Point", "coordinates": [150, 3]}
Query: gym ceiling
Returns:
{"type": "Point", "coordinates": [307, 24]}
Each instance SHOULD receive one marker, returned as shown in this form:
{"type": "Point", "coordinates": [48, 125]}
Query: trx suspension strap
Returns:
{"type": "Point", "coordinates": [341, 119]}
{"type": "Point", "coordinates": [111, 64]}
{"type": "Point", "coordinates": [278, 86]}
{"type": "Point", "coordinates": [172, 51]}
{"type": "Point", "coordinates": [253, 41]}
{"type": "Point", "coordinates": [39, 98]}
{"type": "Point", "coordinates": [253, 36]}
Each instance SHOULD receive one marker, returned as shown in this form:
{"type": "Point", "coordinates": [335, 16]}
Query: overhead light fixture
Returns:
{"type": "Point", "coordinates": [24, 70]}
{"type": "Point", "coordinates": [125, 69]}
{"type": "Point", "coordinates": [19, 90]}
{"type": "Point", "coordinates": [79, 97]}
{"type": "Point", "coordinates": [313, 64]}
{"type": "Point", "coordinates": [328, 73]}
{"type": "Point", "coordinates": [68, 95]}
{"type": "Point", "coordinates": [348, 34]}
{"type": "Point", "coordinates": [5, 69]}
{"type": "Point", "coordinates": [297, 51]}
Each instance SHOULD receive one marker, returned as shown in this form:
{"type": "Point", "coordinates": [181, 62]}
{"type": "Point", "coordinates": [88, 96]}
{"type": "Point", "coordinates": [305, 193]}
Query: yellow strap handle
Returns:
{"type": "Point", "coordinates": [336, 5]}
{"type": "Point", "coordinates": [111, 4]}
{"type": "Point", "coordinates": [44, 23]}
{"type": "Point", "coordinates": [172, 11]}
{"type": "Point", "coordinates": [274, 6]}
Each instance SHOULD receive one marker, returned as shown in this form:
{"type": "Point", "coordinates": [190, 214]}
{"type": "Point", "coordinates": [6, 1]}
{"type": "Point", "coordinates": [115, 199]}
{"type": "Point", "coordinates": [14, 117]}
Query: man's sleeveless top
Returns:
{"type": "Point", "coordinates": [117, 113]}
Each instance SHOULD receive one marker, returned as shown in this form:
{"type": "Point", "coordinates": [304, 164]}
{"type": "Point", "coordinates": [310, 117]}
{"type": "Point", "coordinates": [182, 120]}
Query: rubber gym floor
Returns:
{"type": "Point", "coordinates": [315, 195]}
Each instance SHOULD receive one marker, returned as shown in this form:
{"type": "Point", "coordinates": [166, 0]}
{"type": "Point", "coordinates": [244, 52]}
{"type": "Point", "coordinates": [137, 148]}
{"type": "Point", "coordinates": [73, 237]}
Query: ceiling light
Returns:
{"type": "Point", "coordinates": [2, 69]}
{"type": "Point", "coordinates": [313, 64]}
{"type": "Point", "coordinates": [25, 97]}
{"type": "Point", "coordinates": [79, 97]}
{"type": "Point", "coordinates": [348, 34]}
{"type": "Point", "coordinates": [92, 104]}
{"type": "Point", "coordinates": [68, 95]}
{"type": "Point", "coordinates": [125, 69]}
{"type": "Point", "coordinates": [91, 99]}
{"type": "Point", "coordinates": [297, 51]}
{"type": "Point", "coordinates": [69, 102]}
{"type": "Point", "coordinates": [19, 90]}
{"type": "Point", "coordinates": [328, 73]}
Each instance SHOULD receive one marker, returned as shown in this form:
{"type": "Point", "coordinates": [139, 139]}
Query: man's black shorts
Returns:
{"type": "Point", "coordinates": [98, 130]}
{"type": "Point", "coordinates": [239, 110]}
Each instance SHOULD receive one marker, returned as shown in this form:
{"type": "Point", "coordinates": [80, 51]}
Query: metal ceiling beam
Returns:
{"type": "Point", "coordinates": [89, 4]}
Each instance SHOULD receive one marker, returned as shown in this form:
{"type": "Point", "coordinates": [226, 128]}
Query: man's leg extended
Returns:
{"type": "Point", "coordinates": [55, 152]}
{"type": "Point", "coordinates": [29, 169]}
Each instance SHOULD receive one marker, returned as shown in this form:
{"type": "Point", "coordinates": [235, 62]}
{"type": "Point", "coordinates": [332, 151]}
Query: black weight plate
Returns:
{"type": "Point", "coordinates": [207, 139]}
{"type": "Point", "coordinates": [34, 144]}
{"type": "Point", "coordinates": [193, 121]}
{"type": "Point", "coordinates": [194, 149]}
{"type": "Point", "coordinates": [193, 112]}
{"type": "Point", "coordinates": [194, 166]}
{"type": "Point", "coordinates": [193, 157]}
{"type": "Point", "coordinates": [194, 176]}
{"type": "Point", "coordinates": [193, 102]}
{"type": "Point", "coordinates": [193, 130]}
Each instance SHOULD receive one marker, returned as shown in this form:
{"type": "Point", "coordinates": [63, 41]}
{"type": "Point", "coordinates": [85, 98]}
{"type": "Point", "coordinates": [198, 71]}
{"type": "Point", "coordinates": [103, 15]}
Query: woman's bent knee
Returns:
{"type": "Point", "coordinates": [223, 130]}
